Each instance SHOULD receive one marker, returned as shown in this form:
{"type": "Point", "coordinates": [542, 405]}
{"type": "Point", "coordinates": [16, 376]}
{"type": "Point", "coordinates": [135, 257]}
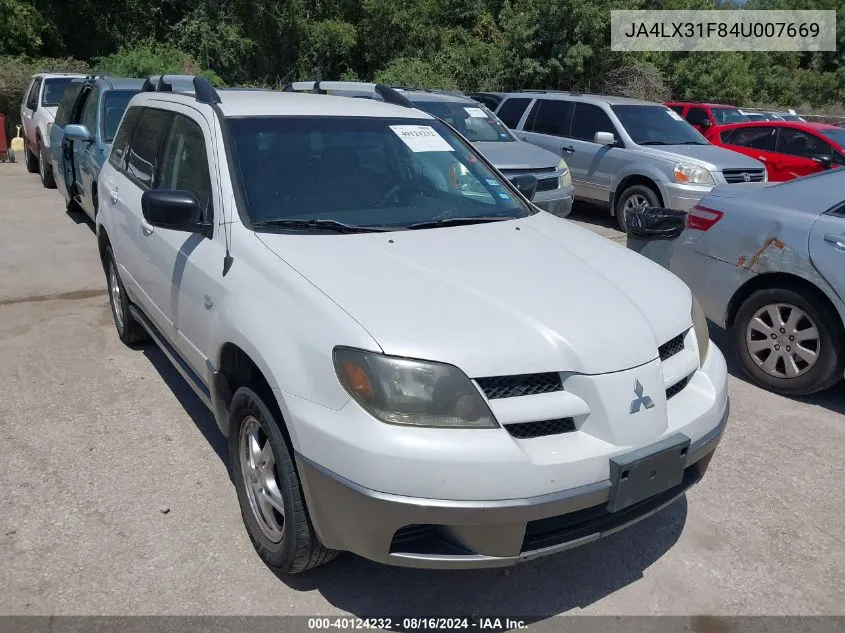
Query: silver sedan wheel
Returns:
{"type": "Point", "coordinates": [114, 294]}
{"type": "Point", "coordinates": [783, 340]}
{"type": "Point", "coordinates": [258, 469]}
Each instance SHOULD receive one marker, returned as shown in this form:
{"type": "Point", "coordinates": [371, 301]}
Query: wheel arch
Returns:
{"type": "Point", "coordinates": [634, 179]}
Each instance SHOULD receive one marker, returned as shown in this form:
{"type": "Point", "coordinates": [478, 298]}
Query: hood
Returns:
{"type": "Point", "coordinates": [494, 300]}
{"type": "Point", "coordinates": [517, 155]}
{"type": "Point", "coordinates": [718, 158]}
{"type": "Point", "coordinates": [51, 111]}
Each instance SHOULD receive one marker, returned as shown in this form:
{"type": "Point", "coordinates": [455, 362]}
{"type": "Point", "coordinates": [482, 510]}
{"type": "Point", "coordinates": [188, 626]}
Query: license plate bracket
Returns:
{"type": "Point", "coordinates": [646, 472]}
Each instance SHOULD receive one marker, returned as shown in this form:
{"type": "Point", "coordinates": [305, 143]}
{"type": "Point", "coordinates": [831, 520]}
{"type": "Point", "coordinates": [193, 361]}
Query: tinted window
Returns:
{"type": "Point", "coordinates": [124, 134]}
{"type": "Point", "coordinates": [724, 116]}
{"type": "Point", "coordinates": [184, 164]}
{"type": "Point", "coordinates": [550, 116]}
{"type": "Point", "coordinates": [53, 90]}
{"type": "Point", "coordinates": [114, 103]}
{"type": "Point", "coordinates": [697, 116]}
{"type": "Point", "coordinates": [589, 119]}
{"type": "Point", "coordinates": [758, 137]}
{"type": "Point", "coordinates": [360, 171]}
{"type": "Point", "coordinates": [150, 132]}
{"type": "Point", "coordinates": [511, 110]}
{"type": "Point", "coordinates": [32, 97]}
{"type": "Point", "coordinates": [801, 143]}
{"type": "Point", "coordinates": [655, 125]}
{"type": "Point", "coordinates": [677, 108]}
{"type": "Point", "coordinates": [89, 111]}
{"type": "Point", "coordinates": [65, 111]}
{"type": "Point", "coordinates": [835, 134]}
{"type": "Point", "coordinates": [473, 120]}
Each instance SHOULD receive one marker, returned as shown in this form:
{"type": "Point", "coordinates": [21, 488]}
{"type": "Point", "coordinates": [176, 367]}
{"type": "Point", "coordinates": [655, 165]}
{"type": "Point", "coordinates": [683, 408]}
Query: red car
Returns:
{"type": "Point", "coordinates": [789, 149]}
{"type": "Point", "coordinates": [707, 117]}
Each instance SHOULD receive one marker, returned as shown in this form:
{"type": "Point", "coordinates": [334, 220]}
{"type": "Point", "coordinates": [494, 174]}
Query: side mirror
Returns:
{"type": "Point", "coordinates": [705, 123]}
{"type": "Point", "coordinates": [76, 132]}
{"type": "Point", "coordinates": [173, 209]}
{"type": "Point", "coordinates": [527, 185]}
{"type": "Point", "coordinates": [605, 138]}
{"type": "Point", "coordinates": [824, 161]}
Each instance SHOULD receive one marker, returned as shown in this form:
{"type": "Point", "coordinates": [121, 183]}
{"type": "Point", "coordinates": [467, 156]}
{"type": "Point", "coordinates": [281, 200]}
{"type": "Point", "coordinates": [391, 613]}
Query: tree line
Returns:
{"type": "Point", "coordinates": [456, 44]}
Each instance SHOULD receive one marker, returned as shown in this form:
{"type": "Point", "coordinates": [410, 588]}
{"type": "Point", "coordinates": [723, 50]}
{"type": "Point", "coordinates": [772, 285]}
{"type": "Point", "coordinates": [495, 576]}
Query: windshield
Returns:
{"type": "Point", "coordinates": [728, 115]}
{"type": "Point", "coordinates": [114, 103]}
{"type": "Point", "coordinates": [364, 172]}
{"type": "Point", "coordinates": [790, 117]}
{"type": "Point", "coordinates": [657, 125]}
{"type": "Point", "coordinates": [53, 90]}
{"type": "Point", "coordinates": [473, 120]}
{"type": "Point", "coordinates": [835, 134]}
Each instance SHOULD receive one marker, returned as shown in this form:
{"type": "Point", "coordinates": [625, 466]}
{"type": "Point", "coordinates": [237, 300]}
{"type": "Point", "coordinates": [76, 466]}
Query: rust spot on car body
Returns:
{"type": "Point", "coordinates": [772, 241]}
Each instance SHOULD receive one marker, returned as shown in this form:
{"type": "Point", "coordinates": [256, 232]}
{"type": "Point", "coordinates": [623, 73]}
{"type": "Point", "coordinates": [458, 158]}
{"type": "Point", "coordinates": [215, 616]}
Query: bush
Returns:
{"type": "Point", "coordinates": [147, 58]}
{"type": "Point", "coordinates": [416, 73]}
{"type": "Point", "coordinates": [15, 73]}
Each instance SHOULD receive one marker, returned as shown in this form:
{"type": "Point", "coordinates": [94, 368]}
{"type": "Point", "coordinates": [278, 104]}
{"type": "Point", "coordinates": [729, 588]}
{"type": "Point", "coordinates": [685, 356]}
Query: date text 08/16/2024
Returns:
{"type": "Point", "coordinates": [414, 624]}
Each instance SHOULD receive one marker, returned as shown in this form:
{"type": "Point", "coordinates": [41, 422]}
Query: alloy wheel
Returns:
{"type": "Point", "coordinates": [114, 294]}
{"type": "Point", "coordinates": [258, 469]}
{"type": "Point", "coordinates": [783, 340]}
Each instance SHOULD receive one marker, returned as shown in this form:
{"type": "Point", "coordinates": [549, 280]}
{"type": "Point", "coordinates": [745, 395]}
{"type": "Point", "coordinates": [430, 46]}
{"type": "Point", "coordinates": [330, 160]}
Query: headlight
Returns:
{"type": "Point", "coordinates": [412, 392]}
{"type": "Point", "coordinates": [565, 176]}
{"type": "Point", "coordinates": [693, 174]}
{"type": "Point", "coordinates": [702, 331]}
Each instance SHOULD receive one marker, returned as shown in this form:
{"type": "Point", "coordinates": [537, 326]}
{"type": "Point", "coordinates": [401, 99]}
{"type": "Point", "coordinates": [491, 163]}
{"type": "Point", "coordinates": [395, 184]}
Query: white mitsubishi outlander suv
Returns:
{"type": "Point", "coordinates": [410, 361]}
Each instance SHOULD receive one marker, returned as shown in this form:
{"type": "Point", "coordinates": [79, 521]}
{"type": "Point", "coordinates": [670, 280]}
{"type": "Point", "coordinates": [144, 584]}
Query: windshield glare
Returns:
{"type": "Point", "coordinates": [473, 120]}
{"type": "Point", "coordinates": [728, 115]}
{"type": "Point", "coordinates": [53, 91]}
{"type": "Point", "coordinates": [360, 172]}
{"type": "Point", "coordinates": [657, 125]}
{"type": "Point", "coordinates": [114, 103]}
{"type": "Point", "coordinates": [837, 135]}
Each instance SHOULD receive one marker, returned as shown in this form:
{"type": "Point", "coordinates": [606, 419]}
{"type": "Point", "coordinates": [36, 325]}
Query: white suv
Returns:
{"type": "Point", "coordinates": [424, 372]}
{"type": "Point", "coordinates": [38, 110]}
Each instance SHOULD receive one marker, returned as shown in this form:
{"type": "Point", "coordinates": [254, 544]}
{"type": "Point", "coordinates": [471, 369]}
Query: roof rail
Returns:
{"type": "Point", "coordinates": [204, 91]}
{"type": "Point", "coordinates": [573, 93]}
{"type": "Point", "coordinates": [351, 88]}
{"type": "Point", "coordinates": [185, 84]}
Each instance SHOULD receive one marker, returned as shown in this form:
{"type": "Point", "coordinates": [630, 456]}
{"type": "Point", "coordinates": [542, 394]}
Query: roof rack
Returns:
{"type": "Point", "coordinates": [202, 88]}
{"type": "Point", "coordinates": [356, 88]}
{"type": "Point", "coordinates": [573, 93]}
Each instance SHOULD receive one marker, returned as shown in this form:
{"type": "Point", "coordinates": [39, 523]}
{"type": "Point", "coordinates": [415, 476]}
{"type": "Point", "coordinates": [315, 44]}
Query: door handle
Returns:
{"type": "Point", "coordinates": [838, 241]}
{"type": "Point", "coordinates": [146, 229]}
{"type": "Point", "coordinates": [567, 149]}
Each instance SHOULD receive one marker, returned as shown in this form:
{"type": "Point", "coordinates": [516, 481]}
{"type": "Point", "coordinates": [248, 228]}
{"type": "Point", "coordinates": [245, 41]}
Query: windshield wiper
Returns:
{"type": "Point", "coordinates": [478, 219]}
{"type": "Point", "coordinates": [653, 143]}
{"type": "Point", "coordinates": [693, 143]}
{"type": "Point", "coordinates": [328, 225]}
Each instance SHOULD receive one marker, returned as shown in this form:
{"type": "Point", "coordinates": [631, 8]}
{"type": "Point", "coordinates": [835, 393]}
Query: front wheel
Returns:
{"type": "Point", "coordinates": [269, 490]}
{"type": "Point", "coordinates": [128, 329]}
{"type": "Point", "coordinates": [788, 342]}
{"type": "Point", "coordinates": [45, 169]}
{"type": "Point", "coordinates": [634, 197]}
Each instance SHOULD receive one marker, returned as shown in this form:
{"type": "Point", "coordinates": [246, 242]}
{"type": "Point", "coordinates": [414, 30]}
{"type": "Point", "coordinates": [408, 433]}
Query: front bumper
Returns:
{"type": "Point", "coordinates": [446, 534]}
{"type": "Point", "coordinates": [557, 202]}
{"type": "Point", "coordinates": [683, 197]}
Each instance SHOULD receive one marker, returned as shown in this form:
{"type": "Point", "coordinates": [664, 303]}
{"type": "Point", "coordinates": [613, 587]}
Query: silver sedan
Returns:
{"type": "Point", "coordinates": [768, 264]}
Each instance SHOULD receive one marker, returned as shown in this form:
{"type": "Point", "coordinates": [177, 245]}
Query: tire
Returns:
{"type": "Point", "coordinates": [286, 543]}
{"type": "Point", "coordinates": [45, 169]}
{"type": "Point", "coordinates": [797, 314]}
{"type": "Point", "coordinates": [634, 195]}
{"type": "Point", "coordinates": [128, 329]}
{"type": "Point", "coordinates": [30, 159]}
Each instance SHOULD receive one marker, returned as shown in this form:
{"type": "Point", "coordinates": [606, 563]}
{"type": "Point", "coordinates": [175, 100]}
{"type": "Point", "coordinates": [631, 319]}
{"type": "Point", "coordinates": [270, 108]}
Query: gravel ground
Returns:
{"type": "Point", "coordinates": [116, 500]}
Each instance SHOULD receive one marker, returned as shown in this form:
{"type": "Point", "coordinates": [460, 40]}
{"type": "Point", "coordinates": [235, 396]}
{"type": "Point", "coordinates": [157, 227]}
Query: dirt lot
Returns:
{"type": "Point", "coordinates": [115, 497]}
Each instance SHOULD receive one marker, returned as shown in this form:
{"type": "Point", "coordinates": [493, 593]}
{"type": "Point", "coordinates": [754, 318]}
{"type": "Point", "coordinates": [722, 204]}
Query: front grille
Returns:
{"type": "Point", "coordinates": [528, 430]}
{"type": "Point", "coordinates": [678, 387]}
{"type": "Point", "coordinates": [738, 175]}
{"type": "Point", "coordinates": [522, 385]}
{"type": "Point", "coordinates": [510, 173]}
{"type": "Point", "coordinates": [671, 347]}
{"type": "Point", "coordinates": [548, 184]}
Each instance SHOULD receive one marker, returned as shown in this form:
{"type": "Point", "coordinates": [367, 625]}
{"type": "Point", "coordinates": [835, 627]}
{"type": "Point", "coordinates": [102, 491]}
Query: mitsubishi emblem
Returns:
{"type": "Point", "coordinates": [640, 400]}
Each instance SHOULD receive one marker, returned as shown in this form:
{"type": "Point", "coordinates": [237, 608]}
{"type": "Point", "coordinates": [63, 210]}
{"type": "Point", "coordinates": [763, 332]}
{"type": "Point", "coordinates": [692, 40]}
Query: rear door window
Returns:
{"type": "Point", "coordinates": [589, 119]}
{"type": "Point", "coordinates": [145, 149]}
{"type": "Point", "coordinates": [550, 116]}
{"type": "Point", "coordinates": [511, 110]}
{"type": "Point", "coordinates": [124, 135]}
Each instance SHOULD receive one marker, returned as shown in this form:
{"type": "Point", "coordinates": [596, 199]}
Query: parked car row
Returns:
{"type": "Point", "coordinates": [410, 360]}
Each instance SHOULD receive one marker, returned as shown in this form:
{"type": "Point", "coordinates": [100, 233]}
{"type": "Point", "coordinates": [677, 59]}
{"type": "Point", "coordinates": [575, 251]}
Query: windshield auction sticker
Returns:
{"type": "Point", "coordinates": [724, 30]}
{"type": "Point", "coordinates": [476, 113]}
{"type": "Point", "coordinates": [421, 138]}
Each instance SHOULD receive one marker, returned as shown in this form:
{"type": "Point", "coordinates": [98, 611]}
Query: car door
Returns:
{"type": "Point", "coordinates": [799, 150]}
{"type": "Point", "coordinates": [758, 142]}
{"type": "Point", "coordinates": [547, 125]}
{"type": "Point", "coordinates": [593, 165]}
{"type": "Point", "coordinates": [180, 271]}
{"type": "Point", "coordinates": [827, 247]}
{"type": "Point", "coordinates": [60, 147]}
{"type": "Point", "coordinates": [83, 152]}
{"type": "Point", "coordinates": [30, 105]}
